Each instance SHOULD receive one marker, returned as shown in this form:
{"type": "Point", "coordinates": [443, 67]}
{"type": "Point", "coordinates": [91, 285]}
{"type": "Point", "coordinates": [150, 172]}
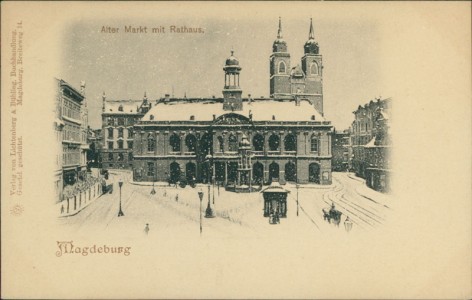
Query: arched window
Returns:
{"type": "Point", "coordinates": [221, 144]}
{"type": "Point", "coordinates": [290, 142]}
{"type": "Point", "coordinates": [151, 142]}
{"type": "Point", "coordinates": [232, 143]}
{"type": "Point", "coordinates": [258, 142]}
{"type": "Point", "coordinates": [314, 143]}
{"type": "Point", "coordinates": [274, 142]}
{"type": "Point", "coordinates": [282, 67]}
{"type": "Point", "coordinates": [191, 143]}
{"type": "Point", "coordinates": [175, 143]}
{"type": "Point", "coordinates": [314, 68]}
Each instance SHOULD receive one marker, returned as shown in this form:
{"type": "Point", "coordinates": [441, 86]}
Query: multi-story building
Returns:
{"type": "Point", "coordinates": [94, 139]}
{"type": "Point", "coordinates": [241, 140]}
{"type": "Point", "coordinates": [71, 135]}
{"type": "Point", "coordinates": [341, 150]}
{"type": "Point", "coordinates": [371, 144]}
{"type": "Point", "coordinates": [118, 118]}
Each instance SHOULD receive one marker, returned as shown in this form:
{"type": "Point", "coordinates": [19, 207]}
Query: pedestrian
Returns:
{"type": "Point", "coordinates": [62, 209]}
{"type": "Point", "coordinates": [146, 229]}
{"type": "Point", "coordinates": [177, 198]}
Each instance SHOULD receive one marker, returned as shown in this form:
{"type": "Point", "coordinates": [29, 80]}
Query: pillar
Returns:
{"type": "Point", "coordinates": [156, 140]}
{"type": "Point", "coordinates": [182, 142]}
{"type": "Point", "coordinates": [281, 142]}
{"type": "Point", "coordinates": [266, 142]}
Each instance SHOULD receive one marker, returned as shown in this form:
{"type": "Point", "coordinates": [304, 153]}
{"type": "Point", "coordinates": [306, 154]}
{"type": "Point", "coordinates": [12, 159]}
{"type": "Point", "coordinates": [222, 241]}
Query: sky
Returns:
{"type": "Point", "coordinates": [125, 65]}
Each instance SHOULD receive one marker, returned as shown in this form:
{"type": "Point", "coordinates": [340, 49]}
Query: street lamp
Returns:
{"type": "Point", "coordinates": [200, 195]}
{"type": "Point", "coordinates": [348, 224]}
{"type": "Point", "coordinates": [209, 211]}
{"type": "Point", "coordinates": [120, 212]}
{"type": "Point", "coordinates": [297, 186]}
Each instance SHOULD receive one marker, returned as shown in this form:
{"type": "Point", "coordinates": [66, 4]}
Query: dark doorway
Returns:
{"type": "Point", "coordinates": [190, 171]}
{"type": "Point", "coordinates": [290, 172]}
{"type": "Point", "coordinates": [258, 172]}
{"type": "Point", "coordinates": [314, 173]}
{"type": "Point", "coordinates": [174, 172]}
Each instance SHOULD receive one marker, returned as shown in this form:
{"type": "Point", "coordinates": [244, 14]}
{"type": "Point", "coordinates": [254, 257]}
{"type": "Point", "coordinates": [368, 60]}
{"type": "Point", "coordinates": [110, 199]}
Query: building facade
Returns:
{"type": "Point", "coordinates": [118, 119]}
{"type": "Point", "coordinates": [235, 140]}
{"type": "Point", "coordinates": [341, 151]}
{"type": "Point", "coordinates": [71, 123]}
{"type": "Point", "coordinates": [371, 143]}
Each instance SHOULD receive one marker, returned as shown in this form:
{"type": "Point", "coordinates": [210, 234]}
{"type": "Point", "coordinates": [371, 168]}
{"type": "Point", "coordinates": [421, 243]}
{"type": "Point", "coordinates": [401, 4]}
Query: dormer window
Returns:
{"type": "Point", "coordinates": [313, 117]}
{"type": "Point", "coordinates": [273, 117]}
{"type": "Point", "coordinates": [151, 117]}
{"type": "Point", "coordinates": [120, 108]}
{"type": "Point", "coordinates": [192, 118]}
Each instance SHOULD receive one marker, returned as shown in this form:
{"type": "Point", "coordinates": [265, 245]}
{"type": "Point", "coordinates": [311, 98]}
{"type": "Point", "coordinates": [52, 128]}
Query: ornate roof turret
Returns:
{"type": "Point", "coordinates": [311, 46]}
{"type": "Point", "coordinates": [279, 44]}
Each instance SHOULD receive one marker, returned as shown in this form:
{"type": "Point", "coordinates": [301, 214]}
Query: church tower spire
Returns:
{"type": "Point", "coordinates": [312, 66]}
{"type": "Point", "coordinates": [279, 66]}
{"type": "Point", "coordinates": [311, 35]}
{"type": "Point", "coordinates": [279, 33]}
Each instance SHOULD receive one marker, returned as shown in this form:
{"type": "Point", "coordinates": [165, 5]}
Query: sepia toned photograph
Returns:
{"type": "Point", "coordinates": [236, 150]}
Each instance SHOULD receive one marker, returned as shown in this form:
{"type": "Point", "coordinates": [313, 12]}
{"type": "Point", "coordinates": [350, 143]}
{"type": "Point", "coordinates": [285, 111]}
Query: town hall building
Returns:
{"type": "Point", "coordinates": [236, 140]}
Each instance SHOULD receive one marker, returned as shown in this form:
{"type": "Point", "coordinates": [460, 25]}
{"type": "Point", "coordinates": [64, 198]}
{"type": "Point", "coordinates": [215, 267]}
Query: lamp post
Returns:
{"type": "Point", "coordinates": [209, 211]}
{"type": "Point", "coordinates": [120, 212]}
{"type": "Point", "coordinates": [297, 186]}
{"type": "Point", "coordinates": [200, 195]}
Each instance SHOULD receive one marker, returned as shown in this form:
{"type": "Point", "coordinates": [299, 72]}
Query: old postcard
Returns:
{"type": "Point", "coordinates": [236, 150]}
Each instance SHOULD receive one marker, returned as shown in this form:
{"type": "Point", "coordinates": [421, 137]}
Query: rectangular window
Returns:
{"type": "Point", "coordinates": [110, 132]}
{"type": "Point", "coordinates": [150, 169]}
{"type": "Point", "coordinates": [314, 144]}
{"type": "Point", "coordinates": [120, 144]}
{"type": "Point", "coordinates": [110, 156]}
{"type": "Point", "coordinates": [120, 132]}
{"type": "Point", "coordinates": [110, 121]}
{"type": "Point", "coordinates": [110, 145]}
{"type": "Point", "coordinates": [130, 133]}
{"type": "Point", "coordinates": [130, 144]}
{"type": "Point", "coordinates": [121, 121]}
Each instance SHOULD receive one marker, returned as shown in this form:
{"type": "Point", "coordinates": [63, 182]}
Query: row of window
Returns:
{"type": "Point", "coordinates": [119, 157]}
{"type": "Point", "coordinates": [71, 109]}
{"type": "Point", "coordinates": [120, 132]}
{"type": "Point", "coordinates": [121, 121]}
{"type": "Point", "coordinates": [314, 69]}
{"type": "Point", "coordinates": [290, 143]}
{"type": "Point", "coordinates": [70, 156]}
{"type": "Point", "coordinates": [71, 132]}
{"type": "Point", "coordinates": [120, 145]}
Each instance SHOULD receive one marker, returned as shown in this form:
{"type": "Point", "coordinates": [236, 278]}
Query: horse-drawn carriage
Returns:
{"type": "Point", "coordinates": [332, 215]}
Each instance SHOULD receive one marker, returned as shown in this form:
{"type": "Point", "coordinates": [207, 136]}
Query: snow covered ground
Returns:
{"type": "Point", "coordinates": [174, 213]}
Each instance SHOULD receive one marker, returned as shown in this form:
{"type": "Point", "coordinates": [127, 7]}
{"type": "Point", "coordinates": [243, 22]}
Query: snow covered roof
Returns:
{"type": "Point", "coordinates": [128, 106]}
{"type": "Point", "coordinates": [261, 110]}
